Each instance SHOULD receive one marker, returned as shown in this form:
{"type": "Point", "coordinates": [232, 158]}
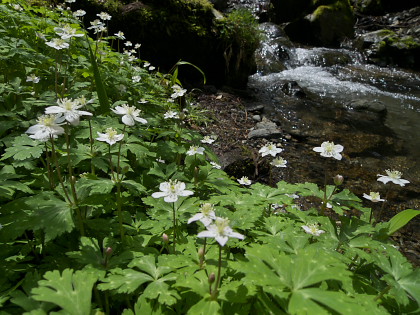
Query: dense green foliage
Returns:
{"type": "Point", "coordinates": [83, 230]}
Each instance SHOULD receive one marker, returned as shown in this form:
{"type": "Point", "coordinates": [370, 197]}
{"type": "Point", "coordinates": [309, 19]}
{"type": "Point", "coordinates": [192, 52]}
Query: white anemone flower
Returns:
{"type": "Point", "coordinates": [69, 109]}
{"type": "Point", "coordinates": [373, 196]}
{"type": "Point", "coordinates": [208, 139]}
{"type": "Point", "coordinates": [170, 191]}
{"type": "Point", "coordinates": [136, 78]}
{"type": "Point", "coordinates": [244, 181]}
{"type": "Point", "coordinates": [128, 43]}
{"type": "Point", "coordinates": [215, 165]}
{"type": "Point", "coordinates": [195, 150]}
{"type": "Point", "coordinates": [67, 32]}
{"type": "Point", "coordinates": [48, 126]}
{"type": "Point", "coordinates": [205, 216]}
{"type": "Point", "coordinates": [171, 114]}
{"type": "Point", "coordinates": [58, 43]}
{"type": "Point", "coordinates": [313, 229]}
{"type": "Point", "coordinates": [120, 35]}
{"type": "Point", "coordinates": [111, 136]}
{"type": "Point", "coordinates": [279, 162]}
{"type": "Point", "coordinates": [137, 46]}
{"type": "Point", "coordinates": [32, 78]}
{"type": "Point", "coordinates": [96, 24]}
{"type": "Point", "coordinates": [393, 176]}
{"type": "Point", "coordinates": [221, 231]}
{"type": "Point", "coordinates": [79, 13]}
{"type": "Point", "coordinates": [130, 114]}
{"type": "Point", "coordinates": [329, 149]}
{"type": "Point", "coordinates": [104, 16]}
{"type": "Point", "coordinates": [177, 91]}
{"type": "Point", "coordinates": [270, 148]}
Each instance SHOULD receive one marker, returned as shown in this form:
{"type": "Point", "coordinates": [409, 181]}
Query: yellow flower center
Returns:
{"type": "Point", "coordinates": [222, 224]}
{"type": "Point", "coordinates": [329, 147]}
{"type": "Point", "coordinates": [375, 195]}
{"type": "Point", "coordinates": [394, 174]}
{"type": "Point", "coordinates": [111, 132]}
{"type": "Point", "coordinates": [206, 208]}
{"type": "Point", "coordinates": [47, 120]}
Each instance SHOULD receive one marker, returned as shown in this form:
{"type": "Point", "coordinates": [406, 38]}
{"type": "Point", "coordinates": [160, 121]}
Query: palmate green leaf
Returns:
{"type": "Point", "coordinates": [197, 283]}
{"type": "Point", "coordinates": [204, 307]}
{"type": "Point", "coordinates": [401, 219]}
{"type": "Point", "coordinates": [161, 291]}
{"type": "Point", "coordinates": [88, 186]}
{"type": "Point", "coordinates": [410, 283]}
{"type": "Point", "coordinates": [72, 291]}
{"type": "Point", "coordinates": [124, 280]}
{"type": "Point", "coordinates": [24, 148]}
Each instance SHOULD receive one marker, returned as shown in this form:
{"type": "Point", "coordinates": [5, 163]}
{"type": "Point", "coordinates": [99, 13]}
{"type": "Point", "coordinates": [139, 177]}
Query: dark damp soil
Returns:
{"type": "Point", "coordinates": [232, 118]}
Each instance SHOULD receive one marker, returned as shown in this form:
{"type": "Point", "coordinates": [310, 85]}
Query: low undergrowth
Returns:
{"type": "Point", "coordinates": [111, 204]}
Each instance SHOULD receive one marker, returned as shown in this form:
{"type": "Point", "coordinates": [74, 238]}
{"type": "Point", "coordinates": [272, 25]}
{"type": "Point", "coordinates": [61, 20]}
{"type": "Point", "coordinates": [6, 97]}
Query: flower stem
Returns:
{"type": "Point", "coordinates": [119, 210]}
{"type": "Point", "coordinates": [219, 274]}
{"type": "Point", "coordinates": [175, 226]}
{"type": "Point", "coordinates": [92, 167]}
{"type": "Point", "coordinates": [383, 204]}
{"type": "Point", "coordinates": [383, 292]}
{"type": "Point", "coordinates": [50, 174]}
{"type": "Point", "coordinates": [110, 163]}
{"type": "Point", "coordinates": [119, 158]}
{"type": "Point", "coordinates": [60, 178]}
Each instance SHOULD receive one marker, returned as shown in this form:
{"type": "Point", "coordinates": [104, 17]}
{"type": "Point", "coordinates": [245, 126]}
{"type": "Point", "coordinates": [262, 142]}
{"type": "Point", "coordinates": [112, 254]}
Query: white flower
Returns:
{"type": "Point", "coordinates": [83, 101]}
{"type": "Point", "coordinates": [128, 43]}
{"type": "Point", "coordinates": [17, 7]}
{"type": "Point", "coordinates": [111, 136]}
{"type": "Point", "coordinates": [329, 149]}
{"type": "Point", "coordinates": [58, 43]}
{"type": "Point", "coordinates": [79, 13]}
{"type": "Point", "coordinates": [208, 139]}
{"type": "Point", "coordinates": [137, 46]}
{"type": "Point", "coordinates": [393, 176]}
{"type": "Point", "coordinates": [178, 91]}
{"type": "Point", "coordinates": [68, 108]}
{"type": "Point", "coordinates": [373, 196]}
{"type": "Point", "coordinates": [279, 162]}
{"type": "Point", "coordinates": [130, 114]}
{"type": "Point", "coordinates": [67, 32]}
{"type": "Point", "coordinates": [96, 24]}
{"type": "Point", "coordinates": [215, 165]}
{"type": "Point", "coordinates": [146, 64]}
{"type": "Point", "coordinates": [160, 160]}
{"type": "Point", "coordinates": [170, 114]}
{"type": "Point", "coordinates": [151, 68]}
{"type": "Point", "coordinates": [313, 229]}
{"type": "Point", "coordinates": [32, 78]}
{"type": "Point", "coordinates": [48, 126]}
{"type": "Point", "coordinates": [104, 16]}
{"type": "Point", "coordinates": [143, 101]}
{"type": "Point", "coordinates": [70, 1]}
{"type": "Point", "coordinates": [195, 150]}
{"type": "Point", "coordinates": [120, 35]}
{"type": "Point", "coordinates": [136, 78]}
{"type": "Point", "coordinates": [205, 216]}
{"type": "Point", "coordinates": [172, 190]}
{"type": "Point", "coordinates": [221, 231]}
{"type": "Point", "coordinates": [244, 181]}
{"type": "Point", "coordinates": [269, 148]}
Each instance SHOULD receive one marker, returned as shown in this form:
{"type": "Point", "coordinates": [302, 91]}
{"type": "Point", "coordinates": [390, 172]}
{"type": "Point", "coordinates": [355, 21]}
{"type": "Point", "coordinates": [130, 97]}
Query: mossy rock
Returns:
{"type": "Point", "coordinates": [188, 30]}
{"type": "Point", "coordinates": [327, 25]}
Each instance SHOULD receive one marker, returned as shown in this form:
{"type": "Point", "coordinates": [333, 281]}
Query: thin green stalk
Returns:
{"type": "Point", "coordinates": [110, 163]}
{"type": "Point", "coordinates": [60, 178]}
{"type": "Point", "coordinates": [175, 226]}
{"type": "Point", "coordinates": [383, 204]}
{"type": "Point", "coordinates": [119, 158]}
{"type": "Point", "coordinates": [383, 292]}
{"type": "Point", "coordinates": [50, 174]}
{"type": "Point", "coordinates": [91, 141]}
{"type": "Point", "coordinates": [119, 210]}
{"type": "Point", "coordinates": [219, 275]}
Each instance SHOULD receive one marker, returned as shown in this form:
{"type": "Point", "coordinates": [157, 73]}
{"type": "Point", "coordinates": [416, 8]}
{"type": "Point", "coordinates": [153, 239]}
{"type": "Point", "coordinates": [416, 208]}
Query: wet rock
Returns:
{"type": "Point", "coordinates": [292, 88]}
{"type": "Point", "coordinates": [257, 109]}
{"type": "Point", "coordinates": [327, 25]}
{"type": "Point", "coordinates": [368, 105]}
{"type": "Point", "coordinates": [376, 7]}
{"type": "Point", "coordinates": [265, 129]}
{"type": "Point", "coordinates": [256, 118]}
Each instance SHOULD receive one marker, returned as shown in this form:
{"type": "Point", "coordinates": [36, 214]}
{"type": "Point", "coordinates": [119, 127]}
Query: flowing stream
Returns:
{"type": "Point", "coordinates": [337, 86]}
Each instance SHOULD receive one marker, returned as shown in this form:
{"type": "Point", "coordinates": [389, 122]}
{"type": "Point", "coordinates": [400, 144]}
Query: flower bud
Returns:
{"type": "Point", "coordinates": [108, 251]}
{"type": "Point", "coordinates": [338, 180]}
{"type": "Point", "coordinates": [165, 238]}
{"type": "Point", "coordinates": [201, 252]}
{"type": "Point", "coordinates": [212, 278]}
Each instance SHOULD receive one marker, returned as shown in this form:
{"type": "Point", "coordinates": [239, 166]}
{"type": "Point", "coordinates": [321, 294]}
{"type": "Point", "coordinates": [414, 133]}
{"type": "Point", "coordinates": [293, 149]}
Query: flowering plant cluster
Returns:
{"type": "Point", "coordinates": [109, 204]}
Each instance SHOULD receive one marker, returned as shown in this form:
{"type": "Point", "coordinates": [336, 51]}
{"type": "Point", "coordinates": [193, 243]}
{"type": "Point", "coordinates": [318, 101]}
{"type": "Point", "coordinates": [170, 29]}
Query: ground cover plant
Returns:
{"type": "Point", "coordinates": [110, 204]}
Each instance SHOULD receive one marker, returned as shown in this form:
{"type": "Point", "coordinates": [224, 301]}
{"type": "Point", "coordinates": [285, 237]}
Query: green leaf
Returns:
{"type": "Point", "coordinates": [401, 219]}
{"type": "Point", "coordinates": [410, 283]}
{"type": "Point", "coordinates": [204, 307]}
{"type": "Point", "coordinates": [24, 148]}
{"type": "Point", "coordinates": [124, 280]}
{"type": "Point", "coordinates": [70, 291]}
